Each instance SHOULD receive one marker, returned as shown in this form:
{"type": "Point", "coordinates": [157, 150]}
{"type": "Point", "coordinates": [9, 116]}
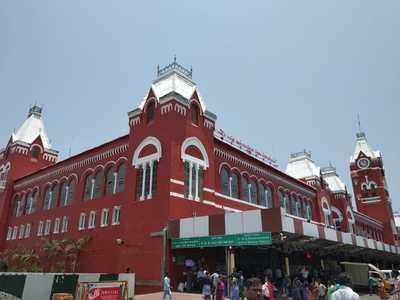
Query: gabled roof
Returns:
{"type": "Point", "coordinates": [301, 166]}
{"type": "Point", "coordinates": [332, 179]}
{"type": "Point", "coordinates": [32, 128]}
{"type": "Point", "coordinates": [363, 146]}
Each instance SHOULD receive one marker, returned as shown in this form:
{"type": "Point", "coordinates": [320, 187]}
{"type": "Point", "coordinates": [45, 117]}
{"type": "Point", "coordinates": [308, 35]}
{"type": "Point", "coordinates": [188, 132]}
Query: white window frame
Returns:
{"type": "Point", "coordinates": [21, 231]}
{"type": "Point", "coordinates": [40, 228]}
{"type": "Point", "coordinates": [27, 230]}
{"type": "Point", "coordinates": [9, 233]}
{"type": "Point", "coordinates": [104, 217]}
{"type": "Point", "coordinates": [116, 216]}
{"type": "Point", "coordinates": [65, 223]}
{"type": "Point", "coordinates": [82, 221]}
{"type": "Point", "coordinates": [57, 222]}
{"type": "Point", "coordinates": [47, 227]}
{"type": "Point", "coordinates": [14, 233]}
{"type": "Point", "coordinates": [92, 220]}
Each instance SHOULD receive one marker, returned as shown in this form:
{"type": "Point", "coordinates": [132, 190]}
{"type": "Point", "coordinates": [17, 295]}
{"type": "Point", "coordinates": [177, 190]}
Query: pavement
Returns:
{"type": "Point", "coordinates": [183, 296]}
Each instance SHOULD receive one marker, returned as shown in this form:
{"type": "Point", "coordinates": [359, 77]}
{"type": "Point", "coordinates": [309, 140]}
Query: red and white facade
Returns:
{"type": "Point", "coordinates": [173, 165]}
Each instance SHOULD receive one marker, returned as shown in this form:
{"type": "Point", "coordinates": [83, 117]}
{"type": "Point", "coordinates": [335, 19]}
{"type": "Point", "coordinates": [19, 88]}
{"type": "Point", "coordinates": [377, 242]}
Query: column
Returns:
{"type": "Point", "coordinates": [230, 186]}
{"type": "Point", "coordinates": [151, 180]}
{"type": "Point", "coordinates": [190, 179]}
{"type": "Point", "coordinates": [287, 266]}
{"type": "Point", "coordinates": [142, 197]}
{"type": "Point", "coordinates": [197, 198]}
{"type": "Point", "coordinates": [115, 182]}
{"type": "Point", "coordinates": [92, 189]}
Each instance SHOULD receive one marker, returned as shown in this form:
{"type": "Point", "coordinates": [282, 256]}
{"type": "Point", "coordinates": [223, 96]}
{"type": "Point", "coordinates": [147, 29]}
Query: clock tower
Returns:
{"type": "Point", "coordinates": [370, 188]}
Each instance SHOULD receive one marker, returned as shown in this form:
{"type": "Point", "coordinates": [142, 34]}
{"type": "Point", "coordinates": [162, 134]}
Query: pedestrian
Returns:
{"type": "Point", "coordinates": [344, 292]}
{"type": "Point", "coordinates": [372, 283]}
{"type": "Point", "coordinates": [167, 287]}
{"type": "Point", "coordinates": [297, 288]}
{"type": "Point", "coordinates": [207, 284]}
{"type": "Point", "coordinates": [331, 289]}
{"type": "Point", "coordinates": [235, 291]}
{"type": "Point", "coordinates": [220, 291]}
{"type": "Point", "coordinates": [306, 291]}
{"type": "Point", "coordinates": [267, 290]}
{"type": "Point", "coordinates": [214, 278]}
{"type": "Point", "coordinates": [321, 291]}
{"type": "Point", "coordinates": [314, 289]}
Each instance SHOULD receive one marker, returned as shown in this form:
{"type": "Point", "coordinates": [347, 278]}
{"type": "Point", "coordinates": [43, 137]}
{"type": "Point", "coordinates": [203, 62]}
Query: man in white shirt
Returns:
{"type": "Point", "coordinates": [167, 287]}
{"type": "Point", "coordinates": [344, 292]}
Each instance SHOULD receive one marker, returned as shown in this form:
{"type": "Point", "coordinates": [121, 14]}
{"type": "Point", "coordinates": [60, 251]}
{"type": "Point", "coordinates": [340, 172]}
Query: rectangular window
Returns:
{"type": "Point", "coordinates": [14, 234]}
{"type": "Point", "coordinates": [82, 221]}
{"type": "Point", "coordinates": [9, 233]}
{"type": "Point", "coordinates": [187, 178]}
{"type": "Point", "coordinates": [92, 220]}
{"type": "Point", "coordinates": [21, 231]}
{"type": "Point", "coordinates": [27, 230]}
{"type": "Point", "coordinates": [116, 215]}
{"type": "Point", "coordinates": [40, 228]}
{"type": "Point", "coordinates": [64, 224]}
{"type": "Point", "coordinates": [47, 227]}
{"type": "Point", "coordinates": [104, 217]}
{"type": "Point", "coordinates": [56, 225]}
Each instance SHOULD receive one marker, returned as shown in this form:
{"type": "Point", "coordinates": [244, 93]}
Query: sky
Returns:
{"type": "Point", "coordinates": [282, 76]}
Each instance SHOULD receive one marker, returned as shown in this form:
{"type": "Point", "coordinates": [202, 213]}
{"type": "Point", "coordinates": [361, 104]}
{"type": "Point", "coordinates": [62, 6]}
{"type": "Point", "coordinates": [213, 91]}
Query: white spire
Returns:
{"type": "Point", "coordinates": [363, 146]}
{"type": "Point", "coordinates": [32, 128]}
{"type": "Point", "coordinates": [332, 179]}
{"type": "Point", "coordinates": [301, 166]}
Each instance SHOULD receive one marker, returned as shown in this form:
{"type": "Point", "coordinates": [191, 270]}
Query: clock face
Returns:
{"type": "Point", "coordinates": [363, 163]}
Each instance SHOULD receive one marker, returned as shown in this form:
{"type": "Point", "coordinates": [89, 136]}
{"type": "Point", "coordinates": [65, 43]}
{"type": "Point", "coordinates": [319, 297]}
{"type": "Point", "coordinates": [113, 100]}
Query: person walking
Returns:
{"type": "Point", "coordinates": [220, 291]}
{"type": "Point", "coordinates": [267, 290]}
{"type": "Point", "coordinates": [235, 291]}
{"type": "Point", "coordinates": [297, 288]}
{"type": "Point", "coordinates": [344, 292]}
{"type": "Point", "coordinates": [321, 291]}
{"type": "Point", "coordinates": [314, 289]}
{"type": "Point", "coordinates": [167, 287]}
{"type": "Point", "coordinates": [207, 284]}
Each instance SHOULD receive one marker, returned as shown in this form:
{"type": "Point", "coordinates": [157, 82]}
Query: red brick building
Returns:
{"type": "Point", "coordinates": [173, 164]}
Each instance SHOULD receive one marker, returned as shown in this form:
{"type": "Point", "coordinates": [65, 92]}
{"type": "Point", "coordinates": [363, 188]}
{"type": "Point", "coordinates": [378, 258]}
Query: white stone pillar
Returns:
{"type": "Point", "coordinates": [142, 197]}
{"type": "Point", "coordinates": [197, 198]}
{"type": "Point", "coordinates": [190, 179]}
{"type": "Point", "coordinates": [115, 182]}
{"type": "Point", "coordinates": [151, 180]}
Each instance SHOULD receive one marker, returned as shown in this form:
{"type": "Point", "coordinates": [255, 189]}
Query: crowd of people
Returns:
{"type": "Point", "coordinates": [302, 285]}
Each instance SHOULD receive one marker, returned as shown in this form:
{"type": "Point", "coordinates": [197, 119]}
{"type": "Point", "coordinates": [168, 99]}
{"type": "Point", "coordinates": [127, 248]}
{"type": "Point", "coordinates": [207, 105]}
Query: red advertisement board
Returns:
{"type": "Point", "coordinates": [104, 293]}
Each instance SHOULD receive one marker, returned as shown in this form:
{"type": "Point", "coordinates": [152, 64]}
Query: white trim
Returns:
{"type": "Point", "coordinates": [175, 181]}
{"type": "Point", "coordinates": [150, 140]}
{"type": "Point", "coordinates": [57, 223]}
{"type": "Point", "coordinates": [194, 141]}
{"type": "Point", "coordinates": [208, 190]}
{"type": "Point", "coordinates": [238, 200]}
{"type": "Point", "coordinates": [92, 220]}
{"type": "Point", "coordinates": [227, 208]}
{"type": "Point", "coordinates": [82, 221]}
{"type": "Point", "coordinates": [116, 212]}
{"type": "Point", "coordinates": [105, 212]}
{"type": "Point", "coordinates": [177, 195]}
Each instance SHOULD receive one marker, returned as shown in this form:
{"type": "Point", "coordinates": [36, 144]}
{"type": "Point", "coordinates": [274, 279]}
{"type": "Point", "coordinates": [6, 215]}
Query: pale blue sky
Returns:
{"type": "Point", "coordinates": [281, 75]}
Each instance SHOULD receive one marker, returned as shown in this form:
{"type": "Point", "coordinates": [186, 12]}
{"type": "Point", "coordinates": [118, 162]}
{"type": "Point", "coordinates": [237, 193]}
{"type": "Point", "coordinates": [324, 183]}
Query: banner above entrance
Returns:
{"type": "Point", "coordinates": [246, 239]}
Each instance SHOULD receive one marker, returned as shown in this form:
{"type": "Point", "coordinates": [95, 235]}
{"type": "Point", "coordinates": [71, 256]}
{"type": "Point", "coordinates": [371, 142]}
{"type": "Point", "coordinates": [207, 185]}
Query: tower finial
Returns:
{"type": "Point", "coordinates": [359, 122]}
{"type": "Point", "coordinates": [174, 58]}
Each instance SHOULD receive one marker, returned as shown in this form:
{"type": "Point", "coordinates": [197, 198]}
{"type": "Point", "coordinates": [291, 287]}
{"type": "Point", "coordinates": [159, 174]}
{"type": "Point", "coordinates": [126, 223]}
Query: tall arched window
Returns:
{"type": "Point", "coordinates": [98, 184]}
{"type": "Point", "coordinates": [268, 196]}
{"type": "Point", "coordinates": [235, 185]}
{"type": "Point", "coordinates": [150, 111]}
{"type": "Point", "coordinates": [194, 113]}
{"type": "Point", "coordinates": [245, 189]}
{"type": "Point", "coordinates": [110, 181]}
{"type": "Point", "coordinates": [364, 188]}
{"type": "Point", "coordinates": [326, 210]}
{"type": "Point", "coordinates": [225, 186]}
{"type": "Point", "coordinates": [121, 173]}
{"type": "Point", "coordinates": [373, 188]}
{"type": "Point", "coordinates": [67, 192]}
{"type": "Point", "coordinates": [195, 159]}
{"type": "Point", "coordinates": [284, 201]}
{"type": "Point", "coordinates": [298, 207]}
{"type": "Point", "coordinates": [262, 195]}
{"type": "Point", "coordinates": [293, 204]}
{"type": "Point", "coordinates": [89, 187]}
{"type": "Point", "coordinates": [16, 205]}
{"type": "Point", "coordinates": [147, 164]}
{"type": "Point", "coordinates": [307, 210]}
{"type": "Point", "coordinates": [253, 192]}
{"type": "Point", "coordinates": [48, 198]}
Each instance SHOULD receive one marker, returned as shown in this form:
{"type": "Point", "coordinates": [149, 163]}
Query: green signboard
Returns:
{"type": "Point", "coordinates": [246, 239]}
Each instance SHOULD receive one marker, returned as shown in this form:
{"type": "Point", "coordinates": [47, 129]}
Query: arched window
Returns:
{"type": "Point", "coordinates": [29, 199]}
{"type": "Point", "coordinates": [67, 192]}
{"type": "Point", "coordinates": [110, 181]}
{"type": "Point", "coordinates": [150, 111]}
{"type": "Point", "coordinates": [48, 198]}
{"type": "Point", "coordinates": [145, 160]}
{"type": "Point", "coordinates": [298, 207]}
{"type": "Point", "coordinates": [326, 210]}
{"type": "Point", "coordinates": [89, 187]}
{"type": "Point", "coordinates": [195, 159]}
{"type": "Point", "coordinates": [35, 152]}
{"type": "Point", "coordinates": [16, 205]}
{"type": "Point", "coordinates": [262, 195]}
{"type": "Point", "coordinates": [253, 192]}
{"type": "Point", "coordinates": [225, 186]}
{"type": "Point", "coordinates": [98, 184]}
{"type": "Point", "coordinates": [121, 173]}
{"type": "Point", "coordinates": [307, 210]}
{"type": "Point", "coordinates": [235, 185]}
{"type": "Point", "coordinates": [364, 188]}
{"type": "Point", "coordinates": [194, 113]}
{"type": "Point", "coordinates": [268, 197]}
{"type": "Point", "coordinates": [284, 201]}
{"type": "Point", "coordinates": [21, 206]}
{"type": "Point", "coordinates": [373, 188]}
{"type": "Point", "coordinates": [245, 189]}
{"type": "Point", "coordinates": [293, 204]}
